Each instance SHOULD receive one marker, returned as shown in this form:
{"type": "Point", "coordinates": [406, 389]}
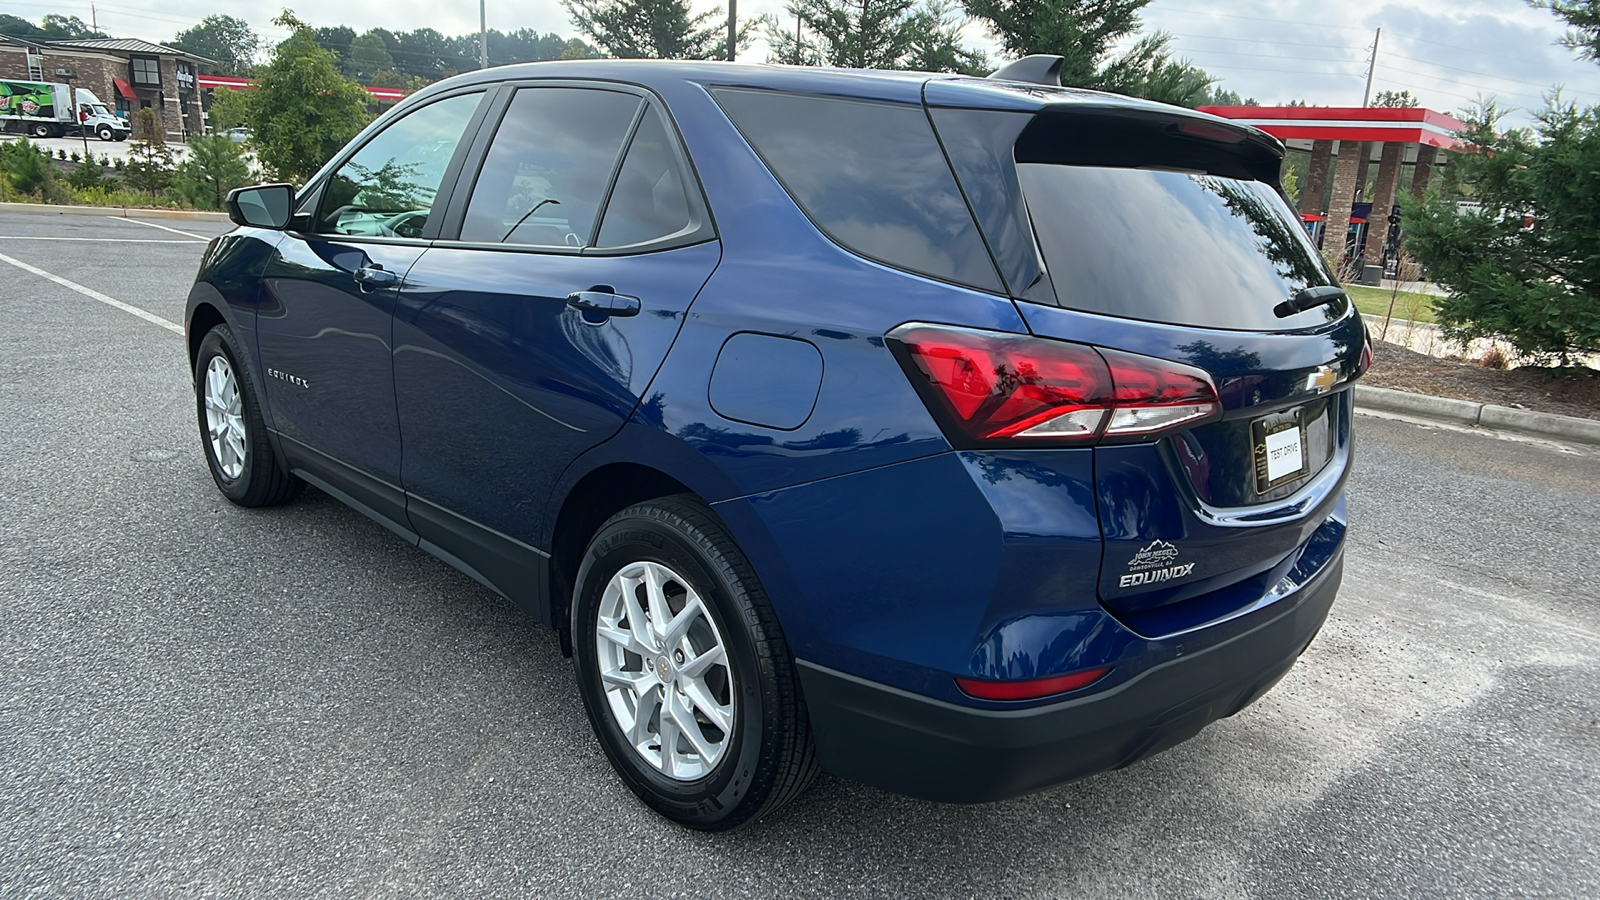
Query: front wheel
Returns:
{"type": "Point", "coordinates": [106, 134]}
{"type": "Point", "coordinates": [232, 429]}
{"type": "Point", "coordinates": [685, 674]}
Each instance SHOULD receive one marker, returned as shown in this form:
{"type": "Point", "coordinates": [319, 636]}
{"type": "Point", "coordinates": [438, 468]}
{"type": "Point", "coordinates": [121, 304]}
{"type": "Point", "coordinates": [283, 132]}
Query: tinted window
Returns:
{"type": "Point", "coordinates": [546, 171]}
{"type": "Point", "coordinates": [649, 201]}
{"type": "Point", "coordinates": [1186, 249]}
{"type": "Point", "coordinates": [388, 186]}
{"type": "Point", "coordinates": [872, 176]}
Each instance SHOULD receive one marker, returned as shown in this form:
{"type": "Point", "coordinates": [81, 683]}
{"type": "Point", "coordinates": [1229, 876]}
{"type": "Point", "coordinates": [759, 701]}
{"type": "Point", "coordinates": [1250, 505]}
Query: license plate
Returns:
{"type": "Point", "coordinates": [1280, 449]}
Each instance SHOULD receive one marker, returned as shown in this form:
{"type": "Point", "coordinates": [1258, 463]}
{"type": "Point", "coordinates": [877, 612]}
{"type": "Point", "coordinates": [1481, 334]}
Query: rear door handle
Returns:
{"type": "Point", "coordinates": [605, 303]}
{"type": "Point", "coordinates": [376, 276]}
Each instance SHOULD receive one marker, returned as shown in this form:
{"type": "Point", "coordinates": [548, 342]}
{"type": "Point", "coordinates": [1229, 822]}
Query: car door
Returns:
{"type": "Point", "coordinates": [530, 334]}
{"type": "Point", "coordinates": [327, 313]}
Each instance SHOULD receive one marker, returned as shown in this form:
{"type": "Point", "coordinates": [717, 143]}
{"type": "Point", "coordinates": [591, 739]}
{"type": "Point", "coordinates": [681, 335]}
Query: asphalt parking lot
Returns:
{"type": "Point", "coordinates": [200, 700]}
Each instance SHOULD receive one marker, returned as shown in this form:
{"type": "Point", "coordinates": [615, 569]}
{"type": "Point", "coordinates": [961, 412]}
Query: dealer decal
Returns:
{"type": "Point", "coordinates": [1154, 564]}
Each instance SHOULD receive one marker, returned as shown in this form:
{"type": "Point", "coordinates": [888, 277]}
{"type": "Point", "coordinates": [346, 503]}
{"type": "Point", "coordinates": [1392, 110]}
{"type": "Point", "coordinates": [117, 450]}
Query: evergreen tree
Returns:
{"type": "Point", "coordinates": [1396, 99]}
{"type": "Point", "coordinates": [1083, 32]}
{"type": "Point", "coordinates": [214, 167]}
{"type": "Point", "coordinates": [1522, 264]}
{"type": "Point", "coordinates": [1583, 20]}
{"type": "Point", "coordinates": [369, 55]}
{"type": "Point", "coordinates": [653, 29]}
{"type": "Point", "coordinates": [872, 34]}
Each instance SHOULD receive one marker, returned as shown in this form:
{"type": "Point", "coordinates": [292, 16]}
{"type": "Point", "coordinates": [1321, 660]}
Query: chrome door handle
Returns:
{"type": "Point", "coordinates": [376, 276]}
{"type": "Point", "coordinates": [604, 303]}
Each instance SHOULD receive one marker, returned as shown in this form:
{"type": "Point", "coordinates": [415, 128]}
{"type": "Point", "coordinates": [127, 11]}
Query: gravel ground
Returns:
{"type": "Point", "coordinates": [199, 700]}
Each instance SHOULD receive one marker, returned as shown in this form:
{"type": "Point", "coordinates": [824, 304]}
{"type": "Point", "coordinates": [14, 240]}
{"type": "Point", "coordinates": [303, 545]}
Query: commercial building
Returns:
{"type": "Point", "coordinates": [126, 73]}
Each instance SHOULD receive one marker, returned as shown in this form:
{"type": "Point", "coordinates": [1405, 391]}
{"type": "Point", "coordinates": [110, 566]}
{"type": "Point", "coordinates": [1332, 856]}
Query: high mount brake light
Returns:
{"type": "Point", "coordinates": [993, 389]}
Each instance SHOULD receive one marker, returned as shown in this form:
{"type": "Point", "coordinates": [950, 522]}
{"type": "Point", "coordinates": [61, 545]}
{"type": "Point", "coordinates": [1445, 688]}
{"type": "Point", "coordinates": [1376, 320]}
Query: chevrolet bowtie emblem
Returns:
{"type": "Point", "coordinates": [1320, 380]}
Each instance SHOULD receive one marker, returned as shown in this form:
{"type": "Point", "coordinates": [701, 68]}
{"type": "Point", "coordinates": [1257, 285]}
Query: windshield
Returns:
{"type": "Point", "coordinates": [1174, 247]}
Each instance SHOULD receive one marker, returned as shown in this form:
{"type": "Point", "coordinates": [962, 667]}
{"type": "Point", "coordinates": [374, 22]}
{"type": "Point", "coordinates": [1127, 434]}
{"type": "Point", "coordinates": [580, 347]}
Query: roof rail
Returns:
{"type": "Point", "coordinates": [1040, 68]}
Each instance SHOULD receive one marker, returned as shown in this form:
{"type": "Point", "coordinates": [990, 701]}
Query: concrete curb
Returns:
{"type": "Point", "coordinates": [120, 212]}
{"type": "Point", "coordinates": [1482, 415]}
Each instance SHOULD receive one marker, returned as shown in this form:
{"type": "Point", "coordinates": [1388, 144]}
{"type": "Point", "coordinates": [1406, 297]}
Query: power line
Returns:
{"type": "Point", "coordinates": [1208, 14]}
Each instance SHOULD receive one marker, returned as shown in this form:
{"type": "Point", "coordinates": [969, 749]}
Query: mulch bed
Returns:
{"type": "Point", "coordinates": [1565, 392]}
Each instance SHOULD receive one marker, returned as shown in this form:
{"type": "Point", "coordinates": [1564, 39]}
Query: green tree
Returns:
{"type": "Point", "coordinates": [1539, 286]}
{"type": "Point", "coordinates": [1583, 19]}
{"type": "Point", "coordinates": [149, 166]}
{"type": "Point", "coordinates": [228, 41]}
{"type": "Point", "coordinates": [303, 110]}
{"type": "Point", "coordinates": [214, 167]}
{"type": "Point", "coordinates": [369, 56]}
{"type": "Point", "coordinates": [872, 34]}
{"type": "Point", "coordinates": [89, 174]}
{"type": "Point", "coordinates": [24, 169]}
{"type": "Point", "coordinates": [229, 109]}
{"type": "Point", "coordinates": [1220, 96]}
{"type": "Point", "coordinates": [1396, 99]}
{"type": "Point", "coordinates": [1084, 33]}
{"type": "Point", "coordinates": [653, 29]}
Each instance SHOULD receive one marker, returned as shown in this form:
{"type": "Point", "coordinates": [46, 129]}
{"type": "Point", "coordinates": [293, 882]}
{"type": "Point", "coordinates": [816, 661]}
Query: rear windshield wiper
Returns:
{"type": "Point", "coordinates": [1308, 298]}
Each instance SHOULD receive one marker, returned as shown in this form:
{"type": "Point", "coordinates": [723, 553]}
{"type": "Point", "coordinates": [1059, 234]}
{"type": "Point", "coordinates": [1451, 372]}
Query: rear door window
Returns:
{"type": "Point", "coordinates": [1169, 246]}
{"type": "Point", "coordinates": [545, 175]}
{"type": "Point", "coordinates": [871, 175]}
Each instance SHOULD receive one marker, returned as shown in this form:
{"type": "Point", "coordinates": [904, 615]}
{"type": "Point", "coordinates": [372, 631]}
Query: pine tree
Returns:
{"type": "Point", "coordinates": [1084, 32]}
{"type": "Point", "coordinates": [872, 34]}
{"type": "Point", "coordinates": [653, 29]}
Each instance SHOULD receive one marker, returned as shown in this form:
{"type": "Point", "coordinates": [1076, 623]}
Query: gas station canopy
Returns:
{"type": "Point", "coordinates": [1401, 125]}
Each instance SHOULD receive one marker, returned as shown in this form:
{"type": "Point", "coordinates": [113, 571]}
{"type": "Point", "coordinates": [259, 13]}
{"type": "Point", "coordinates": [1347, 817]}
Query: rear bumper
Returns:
{"type": "Point", "coordinates": [914, 745]}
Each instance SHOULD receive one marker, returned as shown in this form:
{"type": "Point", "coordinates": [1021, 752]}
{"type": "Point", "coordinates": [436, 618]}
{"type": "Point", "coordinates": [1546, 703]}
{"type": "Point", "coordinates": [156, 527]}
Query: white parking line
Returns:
{"type": "Point", "coordinates": [34, 237]}
{"type": "Point", "coordinates": [166, 228]}
{"type": "Point", "coordinates": [93, 294]}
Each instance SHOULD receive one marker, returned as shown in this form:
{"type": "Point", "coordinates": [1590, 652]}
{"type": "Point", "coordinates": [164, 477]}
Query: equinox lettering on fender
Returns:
{"type": "Point", "coordinates": [292, 379]}
{"type": "Point", "coordinates": [1153, 564]}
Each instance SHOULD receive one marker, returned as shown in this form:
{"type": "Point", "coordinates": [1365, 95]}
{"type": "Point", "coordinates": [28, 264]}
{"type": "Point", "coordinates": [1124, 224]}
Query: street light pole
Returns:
{"type": "Point", "coordinates": [1371, 64]}
{"type": "Point", "coordinates": [483, 34]}
{"type": "Point", "coordinates": [733, 27]}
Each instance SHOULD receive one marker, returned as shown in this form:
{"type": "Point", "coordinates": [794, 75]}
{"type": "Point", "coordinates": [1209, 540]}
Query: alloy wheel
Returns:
{"type": "Point", "coordinates": [665, 670]}
{"type": "Point", "coordinates": [225, 418]}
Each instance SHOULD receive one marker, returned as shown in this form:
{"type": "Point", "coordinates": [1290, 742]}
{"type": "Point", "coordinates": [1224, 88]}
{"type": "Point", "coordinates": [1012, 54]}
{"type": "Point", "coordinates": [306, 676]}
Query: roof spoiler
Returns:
{"type": "Point", "coordinates": [1040, 68]}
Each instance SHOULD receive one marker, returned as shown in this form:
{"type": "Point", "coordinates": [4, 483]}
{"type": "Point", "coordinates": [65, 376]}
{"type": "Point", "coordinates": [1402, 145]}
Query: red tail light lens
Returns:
{"type": "Point", "coordinates": [1033, 688]}
{"type": "Point", "coordinates": [989, 388]}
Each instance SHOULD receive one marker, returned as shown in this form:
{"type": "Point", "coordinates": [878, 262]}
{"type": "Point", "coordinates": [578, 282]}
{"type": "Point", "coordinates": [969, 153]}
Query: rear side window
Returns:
{"type": "Point", "coordinates": [650, 201]}
{"type": "Point", "coordinates": [871, 176]}
{"type": "Point", "coordinates": [1175, 247]}
{"type": "Point", "coordinates": [546, 171]}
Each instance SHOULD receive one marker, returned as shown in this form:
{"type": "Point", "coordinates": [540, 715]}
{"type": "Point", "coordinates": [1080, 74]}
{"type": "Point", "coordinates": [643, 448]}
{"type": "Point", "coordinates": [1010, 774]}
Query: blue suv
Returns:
{"type": "Point", "coordinates": [960, 436]}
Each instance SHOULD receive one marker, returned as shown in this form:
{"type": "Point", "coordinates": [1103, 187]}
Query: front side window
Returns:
{"type": "Point", "coordinates": [546, 172]}
{"type": "Point", "coordinates": [387, 188]}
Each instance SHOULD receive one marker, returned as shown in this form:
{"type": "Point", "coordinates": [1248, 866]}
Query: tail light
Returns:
{"type": "Point", "coordinates": [993, 389]}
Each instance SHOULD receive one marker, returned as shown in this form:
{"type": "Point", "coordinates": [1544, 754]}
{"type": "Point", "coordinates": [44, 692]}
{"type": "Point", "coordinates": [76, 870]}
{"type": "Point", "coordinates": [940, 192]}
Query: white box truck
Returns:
{"type": "Point", "coordinates": [46, 109]}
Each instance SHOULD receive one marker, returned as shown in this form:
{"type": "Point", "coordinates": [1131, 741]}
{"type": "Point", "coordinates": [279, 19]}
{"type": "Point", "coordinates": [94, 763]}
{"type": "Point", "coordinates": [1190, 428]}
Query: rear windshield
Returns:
{"type": "Point", "coordinates": [1174, 247]}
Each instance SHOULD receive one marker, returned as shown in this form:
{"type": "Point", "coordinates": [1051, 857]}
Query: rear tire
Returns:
{"type": "Point", "coordinates": [232, 430]}
{"type": "Point", "coordinates": [41, 130]}
{"type": "Point", "coordinates": [687, 767]}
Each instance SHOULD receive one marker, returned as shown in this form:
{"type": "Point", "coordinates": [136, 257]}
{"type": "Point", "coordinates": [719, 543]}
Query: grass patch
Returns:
{"type": "Point", "coordinates": [1374, 303]}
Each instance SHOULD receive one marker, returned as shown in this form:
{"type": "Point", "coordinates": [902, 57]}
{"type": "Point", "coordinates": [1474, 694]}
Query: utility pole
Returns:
{"type": "Point", "coordinates": [94, 17]}
{"type": "Point", "coordinates": [1371, 64]}
{"type": "Point", "coordinates": [733, 27]}
{"type": "Point", "coordinates": [483, 34]}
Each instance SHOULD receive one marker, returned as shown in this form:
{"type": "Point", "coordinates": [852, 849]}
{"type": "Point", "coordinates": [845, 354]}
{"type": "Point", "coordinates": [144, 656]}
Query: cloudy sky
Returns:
{"type": "Point", "coordinates": [1272, 50]}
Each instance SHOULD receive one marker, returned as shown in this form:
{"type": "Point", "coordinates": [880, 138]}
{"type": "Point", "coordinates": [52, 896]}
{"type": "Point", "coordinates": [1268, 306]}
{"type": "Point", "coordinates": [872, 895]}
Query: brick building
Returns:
{"type": "Point", "coordinates": [125, 73]}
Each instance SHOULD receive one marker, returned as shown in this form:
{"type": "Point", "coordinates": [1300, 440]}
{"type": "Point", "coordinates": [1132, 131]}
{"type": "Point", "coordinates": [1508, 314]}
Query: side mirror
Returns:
{"type": "Point", "coordinates": [262, 206]}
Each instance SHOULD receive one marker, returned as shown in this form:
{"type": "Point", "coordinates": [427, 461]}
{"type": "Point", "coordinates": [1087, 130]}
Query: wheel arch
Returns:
{"type": "Point", "coordinates": [203, 317]}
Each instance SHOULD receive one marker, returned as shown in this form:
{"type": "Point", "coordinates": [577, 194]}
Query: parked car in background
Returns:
{"type": "Point", "coordinates": [961, 436]}
{"type": "Point", "coordinates": [239, 135]}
